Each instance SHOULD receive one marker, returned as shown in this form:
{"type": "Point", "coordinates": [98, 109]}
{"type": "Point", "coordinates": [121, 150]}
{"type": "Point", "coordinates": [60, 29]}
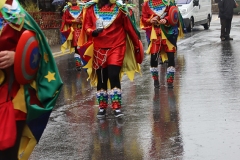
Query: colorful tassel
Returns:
{"type": "Point", "coordinates": [170, 74]}
{"type": "Point", "coordinates": [116, 98]}
{"type": "Point", "coordinates": [102, 98]}
{"type": "Point", "coordinates": [77, 60]}
{"type": "Point", "coordinates": [154, 71]}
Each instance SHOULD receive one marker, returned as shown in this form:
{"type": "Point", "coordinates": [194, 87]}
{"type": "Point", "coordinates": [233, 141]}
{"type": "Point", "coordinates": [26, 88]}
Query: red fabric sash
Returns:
{"type": "Point", "coordinates": [7, 120]}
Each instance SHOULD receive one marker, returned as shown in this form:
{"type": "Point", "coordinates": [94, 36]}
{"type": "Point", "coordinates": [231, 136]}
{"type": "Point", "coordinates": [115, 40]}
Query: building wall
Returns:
{"type": "Point", "coordinates": [52, 36]}
{"type": "Point", "coordinates": [215, 6]}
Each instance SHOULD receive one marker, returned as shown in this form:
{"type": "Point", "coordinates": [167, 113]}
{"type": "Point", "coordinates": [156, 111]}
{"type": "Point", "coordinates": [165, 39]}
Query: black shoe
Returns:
{"type": "Point", "coordinates": [79, 68]}
{"type": "Point", "coordinates": [118, 113]}
{"type": "Point", "coordinates": [160, 61]}
{"type": "Point", "coordinates": [229, 38]}
{"type": "Point", "coordinates": [101, 113]}
{"type": "Point", "coordinates": [119, 122]}
{"type": "Point", "coordinates": [170, 85]}
{"type": "Point", "coordinates": [156, 84]}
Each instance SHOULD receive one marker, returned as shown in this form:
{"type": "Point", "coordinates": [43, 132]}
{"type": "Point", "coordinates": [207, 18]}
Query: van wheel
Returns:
{"type": "Point", "coordinates": [207, 25]}
{"type": "Point", "coordinates": [190, 26]}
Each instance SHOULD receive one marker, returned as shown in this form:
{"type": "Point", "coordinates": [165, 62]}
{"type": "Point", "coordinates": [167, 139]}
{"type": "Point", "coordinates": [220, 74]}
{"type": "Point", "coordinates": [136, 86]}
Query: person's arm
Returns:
{"type": "Point", "coordinates": [6, 59]}
{"type": "Point", "coordinates": [220, 5]}
{"type": "Point", "coordinates": [69, 19]}
{"type": "Point", "coordinates": [89, 26]}
{"type": "Point", "coordinates": [146, 17]}
{"type": "Point", "coordinates": [7, 53]}
{"type": "Point", "coordinates": [149, 19]}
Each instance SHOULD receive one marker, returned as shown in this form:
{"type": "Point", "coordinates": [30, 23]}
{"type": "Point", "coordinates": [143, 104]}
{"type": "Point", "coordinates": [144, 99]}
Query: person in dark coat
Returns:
{"type": "Point", "coordinates": [226, 15]}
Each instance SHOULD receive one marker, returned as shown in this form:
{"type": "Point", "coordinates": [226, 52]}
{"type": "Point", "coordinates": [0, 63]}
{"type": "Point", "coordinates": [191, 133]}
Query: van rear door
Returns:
{"type": "Point", "coordinates": [196, 10]}
{"type": "Point", "coordinates": [205, 6]}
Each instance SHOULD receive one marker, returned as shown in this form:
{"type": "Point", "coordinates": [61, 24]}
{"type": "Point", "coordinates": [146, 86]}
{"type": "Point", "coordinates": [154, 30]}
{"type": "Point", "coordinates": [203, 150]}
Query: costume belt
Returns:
{"type": "Point", "coordinates": [157, 26]}
{"type": "Point", "coordinates": [79, 26]}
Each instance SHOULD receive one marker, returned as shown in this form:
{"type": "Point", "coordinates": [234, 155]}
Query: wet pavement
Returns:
{"type": "Point", "coordinates": [196, 120]}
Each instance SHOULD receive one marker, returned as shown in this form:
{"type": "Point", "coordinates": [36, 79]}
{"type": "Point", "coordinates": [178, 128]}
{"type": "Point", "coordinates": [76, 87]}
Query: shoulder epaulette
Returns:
{"type": "Point", "coordinates": [67, 6]}
{"type": "Point", "coordinates": [90, 3]}
{"type": "Point", "coordinates": [122, 6]}
{"type": "Point", "coordinates": [81, 3]}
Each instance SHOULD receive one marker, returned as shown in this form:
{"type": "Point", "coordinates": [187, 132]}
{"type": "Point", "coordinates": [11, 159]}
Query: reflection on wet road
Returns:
{"type": "Point", "coordinates": [196, 120]}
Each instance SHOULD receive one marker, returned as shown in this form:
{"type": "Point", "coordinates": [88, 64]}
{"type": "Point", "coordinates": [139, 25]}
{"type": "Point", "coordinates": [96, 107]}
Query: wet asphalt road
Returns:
{"type": "Point", "coordinates": [196, 120]}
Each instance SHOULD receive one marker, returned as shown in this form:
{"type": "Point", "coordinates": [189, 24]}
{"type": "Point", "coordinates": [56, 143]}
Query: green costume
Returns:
{"type": "Point", "coordinates": [46, 85]}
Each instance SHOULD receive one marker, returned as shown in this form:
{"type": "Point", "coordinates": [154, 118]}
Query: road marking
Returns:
{"type": "Point", "coordinates": [58, 54]}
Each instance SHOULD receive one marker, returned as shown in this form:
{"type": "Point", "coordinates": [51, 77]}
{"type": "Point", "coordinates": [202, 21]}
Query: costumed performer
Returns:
{"type": "Point", "coordinates": [164, 19]}
{"type": "Point", "coordinates": [71, 28]}
{"type": "Point", "coordinates": [115, 44]}
{"type": "Point", "coordinates": [29, 82]}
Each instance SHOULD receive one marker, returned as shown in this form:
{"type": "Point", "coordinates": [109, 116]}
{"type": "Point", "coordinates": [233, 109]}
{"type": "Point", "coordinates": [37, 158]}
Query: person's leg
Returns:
{"type": "Point", "coordinates": [115, 92]}
{"type": "Point", "coordinates": [102, 76]}
{"type": "Point", "coordinates": [101, 95]}
{"type": "Point", "coordinates": [113, 74]}
{"type": "Point", "coordinates": [171, 60]}
{"type": "Point", "coordinates": [154, 69]}
{"type": "Point", "coordinates": [223, 28]}
{"type": "Point", "coordinates": [78, 61]}
{"type": "Point", "coordinates": [228, 29]}
{"type": "Point", "coordinates": [170, 69]}
{"type": "Point", "coordinates": [12, 153]}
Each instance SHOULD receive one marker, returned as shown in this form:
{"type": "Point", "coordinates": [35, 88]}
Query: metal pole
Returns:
{"type": "Point", "coordinates": [37, 4]}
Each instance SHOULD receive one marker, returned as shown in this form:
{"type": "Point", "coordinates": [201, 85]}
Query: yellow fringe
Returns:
{"type": "Point", "coordinates": [2, 2]}
{"type": "Point", "coordinates": [27, 144]}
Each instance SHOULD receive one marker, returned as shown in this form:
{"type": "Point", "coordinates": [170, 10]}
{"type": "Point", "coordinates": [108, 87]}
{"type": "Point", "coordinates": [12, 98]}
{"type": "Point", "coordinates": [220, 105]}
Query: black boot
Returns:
{"type": "Point", "coordinates": [102, 99]}
{"type": "Point", "coordinates": [170, 76]}
{"type": "Point", "coordinates": [156, 83]}
{"type": "Point", "coordinates": [154, 72]}
{"type": "Point", "coordinates": [78, 63]}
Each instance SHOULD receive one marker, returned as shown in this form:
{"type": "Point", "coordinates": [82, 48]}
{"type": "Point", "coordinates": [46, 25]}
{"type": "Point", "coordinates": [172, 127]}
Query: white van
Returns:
{"type": "Point", "coordinates": [195, 12]}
